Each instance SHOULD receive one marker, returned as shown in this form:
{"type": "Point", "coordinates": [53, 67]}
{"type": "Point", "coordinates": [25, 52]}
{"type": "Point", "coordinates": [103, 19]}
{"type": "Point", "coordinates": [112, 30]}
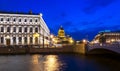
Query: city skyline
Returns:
{"type": "Point", "coordinates": [79, 18]}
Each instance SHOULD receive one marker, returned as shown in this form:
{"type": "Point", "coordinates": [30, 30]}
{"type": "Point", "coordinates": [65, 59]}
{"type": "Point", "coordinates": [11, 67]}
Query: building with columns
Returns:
{"type": "Point", "coordinates": [62, 38]}
{"type": "Point", "coordinates": [23, 29]}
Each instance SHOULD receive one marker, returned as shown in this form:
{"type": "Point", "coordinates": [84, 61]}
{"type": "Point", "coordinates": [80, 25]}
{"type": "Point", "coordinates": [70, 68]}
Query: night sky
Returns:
{"type": "Point", "coordinates": [79, 18]}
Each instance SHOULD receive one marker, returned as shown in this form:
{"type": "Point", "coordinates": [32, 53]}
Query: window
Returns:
{"type": "Point", "coordinates": [19, 20]}
{"type": "Point", "coordinates": [1, 19]}
{"type": "Point", "coordinates": [31, 30]}
{"type": "Point", "coordinates": [20, 29]}
{"type": "Point", "coordinates": [30, 20]}
{"type": "Point", "coordinates": [25, 40]}
{"type": "Point", "coordinates": [8, 19]}
{"type": "Point", "coordinates": [36, 29]}
{"type": "Point", "coordinates": [20, 39]}
{"type": "Point", "coordinates": [31, 39]}
{"type": "Point", "coordinates": [25, 20]}
{"type": "Point", "coordinates": [14, 29]}
{"type": "Point", "coordinates": [2, 29]}
{"type": "Point", "coordinates": [25, 30]}
{"type": "Point", "coordinates": [14, 19]}
{"type": "Point", "coordinates": [8, 29]}
{"type": "Point", "coordinates": [2, 39]}
{"type": "Point", "coordinates": [36, 20]}
{"type": "Point", "coordinates": [14, 40]}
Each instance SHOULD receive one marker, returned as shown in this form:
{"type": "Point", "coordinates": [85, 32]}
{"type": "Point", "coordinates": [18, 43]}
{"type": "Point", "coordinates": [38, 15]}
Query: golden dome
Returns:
{"type": "Point", "coordinates": [61, 32]}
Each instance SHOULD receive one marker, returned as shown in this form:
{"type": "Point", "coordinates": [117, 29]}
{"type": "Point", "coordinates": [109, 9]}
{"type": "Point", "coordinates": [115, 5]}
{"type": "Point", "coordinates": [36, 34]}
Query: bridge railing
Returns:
{"type": "Point", "coordinates": [110, 46]}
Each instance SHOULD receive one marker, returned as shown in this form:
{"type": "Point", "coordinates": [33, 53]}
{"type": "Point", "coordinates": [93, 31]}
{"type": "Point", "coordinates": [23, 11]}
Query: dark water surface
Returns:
{"type": "Point", "coordinates": [62, 62]}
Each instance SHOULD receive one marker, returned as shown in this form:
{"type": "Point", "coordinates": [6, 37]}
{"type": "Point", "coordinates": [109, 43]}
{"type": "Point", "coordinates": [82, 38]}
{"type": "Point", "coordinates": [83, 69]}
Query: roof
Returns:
{"type": "Point", "coordinates": [11, 12]}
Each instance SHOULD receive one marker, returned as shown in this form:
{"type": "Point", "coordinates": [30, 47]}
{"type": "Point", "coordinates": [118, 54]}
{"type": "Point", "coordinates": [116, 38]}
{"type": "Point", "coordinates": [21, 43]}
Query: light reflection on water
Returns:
{"type": "Point", "coordinates": [46, 63]}
{"type": "Point", "coordinates": [61, 62]}
{"type": "Point", "coordinates": [52, 63]}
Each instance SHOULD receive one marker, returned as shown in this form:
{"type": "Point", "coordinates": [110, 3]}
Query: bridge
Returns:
{"type": "Point", "coordinates": [109, 47]}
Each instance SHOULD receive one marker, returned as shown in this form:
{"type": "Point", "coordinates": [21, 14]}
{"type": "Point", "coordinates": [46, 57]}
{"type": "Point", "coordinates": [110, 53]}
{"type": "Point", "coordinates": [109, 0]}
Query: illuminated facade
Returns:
{"type": "Point", "coordinates": [107, 37]}
{"type": "Point", "coordinates": [23, 29]}
{"type": "Point", "coordinates": [61, 38]}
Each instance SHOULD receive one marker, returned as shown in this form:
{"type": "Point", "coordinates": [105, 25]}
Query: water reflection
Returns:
{"type": "Point", "coordinates": [45, 63]}
{"type": "Point", "coordinates": [52, 63]}
{"type": "Point", "coordinates": [58, 63]}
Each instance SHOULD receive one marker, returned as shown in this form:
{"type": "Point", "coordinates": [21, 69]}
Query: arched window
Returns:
{"type": "Point", "coordinates": [36, 29]}
{"type": "Point", "coordinates": [2, 39]}
{"type": "Point", "coordinates": [14, 40]}
{"type": "Point", "coordinates": [25, 40]}
{"type": "Point", "coordinates": [2, 29]}
{"type": "Point", "coordinates": [31, 30]}
{"type": "Point", "coordinates": [20, 29]}
{"type": "Point", "coordinates": [8, 19]}
{"type": "Point", "coordinates": [25, 20]}
{"type": "Point", "coordinates": [31, 40]}
{"type": "Point", "coordinates": [14, 29]}
{"type": "Point", "coordinates": [1, 19]}
{"type": "Point", "coordinates": [30, 20]}
{"type": "Point", "coordinates": [20, 39]}
{"type": "Point", "coordinates": [25, 29]}
{"type": "Point", "coordinates": [8, 29]}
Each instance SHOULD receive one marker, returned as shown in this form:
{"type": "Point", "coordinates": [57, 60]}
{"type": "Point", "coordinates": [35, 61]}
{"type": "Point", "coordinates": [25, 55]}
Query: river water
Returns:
{"type": "Point", "coordinates": [62, 62]}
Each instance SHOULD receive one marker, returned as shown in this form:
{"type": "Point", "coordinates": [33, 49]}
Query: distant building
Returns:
{"type": "Point", "coordinates": [23, 29]}
{"type": "Point", "coordinates": [61, 38]}
{"type": "Point", "coordinates": [107, 37]}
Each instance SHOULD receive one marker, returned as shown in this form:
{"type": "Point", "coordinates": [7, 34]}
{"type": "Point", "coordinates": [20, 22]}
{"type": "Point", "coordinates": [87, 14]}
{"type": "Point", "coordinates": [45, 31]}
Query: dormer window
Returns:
{"type": "Point", "coordinates": [36, 20]}
{"type": "Point", "coordinates": [14, 19]}
{"type": "Point", "coordinates": [8, 19]}
{"type": "Point", "coordinates": [19, 20]}
{"type": "Point", "coordinates": [25, 20]}
{"type": "Point", "coordinates": [1, 19]}
{"type": "Point", "coordinates": [30, 20]}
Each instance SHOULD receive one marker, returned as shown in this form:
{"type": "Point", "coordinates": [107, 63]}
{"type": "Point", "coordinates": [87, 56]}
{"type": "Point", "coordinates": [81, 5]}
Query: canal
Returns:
{"type": "Point", "coordinates": [62, 62]}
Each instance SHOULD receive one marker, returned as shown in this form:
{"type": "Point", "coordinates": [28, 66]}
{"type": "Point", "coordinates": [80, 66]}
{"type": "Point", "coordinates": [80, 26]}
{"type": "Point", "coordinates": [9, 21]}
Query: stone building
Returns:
{"type": "Point", "coordinates": [23, 29]}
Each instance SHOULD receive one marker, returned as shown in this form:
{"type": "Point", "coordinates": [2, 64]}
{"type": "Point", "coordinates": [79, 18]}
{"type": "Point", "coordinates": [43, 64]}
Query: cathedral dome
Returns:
{"type": "Point", "coordinates": [61, 32]}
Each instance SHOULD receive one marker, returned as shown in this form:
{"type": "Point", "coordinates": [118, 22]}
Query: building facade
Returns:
{"type": "Point", "coordinates": [107, 37]}
{"type": "Point", "coordinates": [61, 38]}
{"type": "Point", "coordinates": [23, 29]}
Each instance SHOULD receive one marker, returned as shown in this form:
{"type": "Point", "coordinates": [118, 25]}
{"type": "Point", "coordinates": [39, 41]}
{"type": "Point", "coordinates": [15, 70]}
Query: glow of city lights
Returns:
{"type": "Point", "coordinates": [52, 63]}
